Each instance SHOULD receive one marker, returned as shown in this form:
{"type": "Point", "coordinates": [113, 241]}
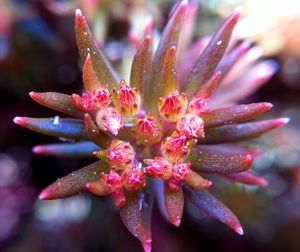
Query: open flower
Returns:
{"type": "Point", "coordinates": [166, 124]}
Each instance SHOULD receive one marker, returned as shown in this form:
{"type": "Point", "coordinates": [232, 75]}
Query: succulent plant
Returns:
{"type": "Point", "coordinates": [158, 136]}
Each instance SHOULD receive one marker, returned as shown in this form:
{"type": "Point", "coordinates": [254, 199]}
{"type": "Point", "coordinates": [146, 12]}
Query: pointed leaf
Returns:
{"type": "Point", "coordinates": [235, 114]}
{"type": "Point", "coordinates": [215, 208]}
{"type": "Point", "coordinates": [241, 132]}
{"type": "Point", "coordinates": [97, 136]}
{"type": "Point", "coordinates": [63, 128]}
{"type": "Point", "coordinates": [89, 77]}
{"type": "Point", "coordinates": [247, 178]}
{"type": "Point", "coordinates": [205, 159]}
{"type": "Point", "coordinates": [86, 44]}
{"type": "Point", "coordinates": [81, 149]}
{"type": "Point", "coordinates": [133, 219]}
{"type": "Point", "coordinates": [229, 60]}
{"type": "Point", "coordinates": [169, 38]}
{"type": "Point", "coordinates": [141, 66]}
{"type": "Point", "coordinates": [57, 101]}
{"type": "Point", "coordinates": [174, 203]}
{"type": "Point", "coordinates": [210, 86]}
{"type": "Point", "coordinates": [74, 182]}
{"type": "Point", "coordinates": [211, 56]}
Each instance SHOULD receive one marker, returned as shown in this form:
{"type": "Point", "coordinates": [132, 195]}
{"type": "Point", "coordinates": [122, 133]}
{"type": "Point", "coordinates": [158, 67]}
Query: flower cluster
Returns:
{"type": "Point", "coordinates": [162, 129]}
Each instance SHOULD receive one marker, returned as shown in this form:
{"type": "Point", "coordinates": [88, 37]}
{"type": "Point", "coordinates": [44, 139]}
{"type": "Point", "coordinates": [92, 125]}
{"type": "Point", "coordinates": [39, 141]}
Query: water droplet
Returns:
{"type": "Point", "coordinates": [56, 120]}
{"type": "Point", "coordinates": [219, 42]}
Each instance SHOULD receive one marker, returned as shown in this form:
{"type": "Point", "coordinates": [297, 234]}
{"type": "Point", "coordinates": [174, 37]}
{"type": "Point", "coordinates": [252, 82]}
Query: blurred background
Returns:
{"type": "Point", "coordinates": [38, 52]}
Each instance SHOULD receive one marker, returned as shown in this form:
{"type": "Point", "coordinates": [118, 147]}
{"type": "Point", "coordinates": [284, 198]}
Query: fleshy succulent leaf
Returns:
{"type": "Point", "coordinates": [131, 214]}
{"type": "Point", "coordinates": [74, 182]}
{"type": "Point", "coordinates": [247, 178]}
{"type": "Point", "coordinates": [242, 131]}
{"type": "Point", "coordinates": [67, 128]}
{"type": "Point", "coordinates": [205, 159]}
{"type": "Point", "coordinates": [210, 86]}
{"type": "Point", "coordinates": [95, 134]}
{"type": "Point", "coordinates": [90, 81]}
{"type": "Point", "coordinates": [141, 66]}
{"type": "Point", "coordinates": [74, 150]}
{"type": "Point", "coordinates": [57, 101]}
{"type": "Point", "coordinates": [215, 208]}
{"type": "Point", "coordinates": [170, 37]}
{"type": "Point", "coordinates": [86, 44]}
{"type": "Point", "coordinates": [211, 56]}
{"type": "Point", "coordinates": [235, 114]}
{"type": "Point", "coordinates": [174, 203]}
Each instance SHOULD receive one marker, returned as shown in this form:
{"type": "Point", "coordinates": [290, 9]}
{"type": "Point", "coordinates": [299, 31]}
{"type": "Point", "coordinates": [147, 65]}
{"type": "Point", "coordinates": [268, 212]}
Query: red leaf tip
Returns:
{"type": "Point", "coordinates": [147, 245]}
{"type": "Point", "coordinates": [78, 12]}
{"type": "Point", "coordinates": [249, 159]}
{"type": "Point", "coordinates": [38, 149]}
{"type": "Point", "coordinates": [19, 120]}
{"type": "Point", "coordinates": [239, 230]}
{"type": "Point", "coordinates": [283, 121]}
{"type": "Point", "coordinates": [44, 195]}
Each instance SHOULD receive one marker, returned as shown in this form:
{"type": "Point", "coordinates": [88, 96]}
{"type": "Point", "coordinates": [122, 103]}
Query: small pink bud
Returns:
{"type": "Point", "coordinates": [119, 198]}
{"type": "Point", "coordinates": [174, 184]}
{"type": "Point", "coordinates": [120, 154]}
{"type": "Point", "coordinates": [198, 106]}
{"type": "Point", "coordinates": [172, 107]}
{"type": "Point", "coordinates": [108, 119]}
{"type": "Point", "coordinates": [181, 170]}
{"type": "Point", "coordinates": [133, 178]}
{"type": "Point", "coordinates": [191, 125]}
{"type": "Point", "coordinates": [102, 97]}
{"type": "Point", "coordinates": [158, 168]}
{"type": "Point", "coordinates": [111, 180]}
{"type": "Point", "coordinates": [176, 147]}
{"type": "Point", "coordinates": [83, 102]}
{"type": "Point", "coordinates": [147, 130]}
{"type": "Point", "coordinates": [127, 100]}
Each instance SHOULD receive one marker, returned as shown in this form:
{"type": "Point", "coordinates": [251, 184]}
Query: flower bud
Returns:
{"type": "Point", "coordinates": [83, 102]}
{"type": "Point", "coordinates": [133, 178]}
{"type": "Point", "coordinates": [181, 170]}
{"type": "Point", "coordinates": [111, 180]}
{"type": "Point", "coordinates": [158, 168]}
{"type": "Point", "coordinates": [119, 198]}
{"type": "Point", "coordinates": [147, 130]}
{"type": "Point", "coordinates": [172, 107]}
{"type": "Point", "coordinates": [198, 106]}
{"type": "Point", "coordinates": [108, 119]}
{"type": "Point", "coordinates": [191, 125]}
{"type": "Point", "coordinates": [101, 97]}
{"type": "Point", "coordinates": [120, 154]}
{"type": "Point", "coordinates": [127, 100]}
{"type": "Point", "coordinates": [176, 147]}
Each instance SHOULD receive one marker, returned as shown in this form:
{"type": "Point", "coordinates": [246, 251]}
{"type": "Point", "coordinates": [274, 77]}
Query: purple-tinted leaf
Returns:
{"type": "Point", "coordinates": [247, 178]}
{"type": "Point", "coordinates": [57, 101]}
{"type": "Point", "coordinates": [95, 134]}
{"type": "Point", "coordinates": [211, 56]}
{"type": "Point", "coordinates": [141, 66]}
{"type": "Point", "coordinates": [229, 60]}
{"type": "Point", "coordinates": [86, 44]}
{"type": "Point", "coordinates": [64, 128]}
{"type": "Point", "coordinates": [210, 86]}
{"type": "Point", "coordinates": [169, 38]}
{"type": "Point", "coordinates": [215, 208]}
{"type": "Point", "coordinates": [81, 149]}
{"type": "Point", "coordinates": [132, 216]}
{"type": "Point", "coordinates": [206, 159]}
{"type": "Point", "coordinates": [174, 203]}
{"type": "Point", "coordinates": [89, 77]}
{"type": "Point", "coordinates": [241, 132]}
{"type": "Point", "coordinates": [254, 78]}
{"type": "Point", "coordinates": [235, 114]}
{"type": "Point", "coordinates": [74, 182]}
